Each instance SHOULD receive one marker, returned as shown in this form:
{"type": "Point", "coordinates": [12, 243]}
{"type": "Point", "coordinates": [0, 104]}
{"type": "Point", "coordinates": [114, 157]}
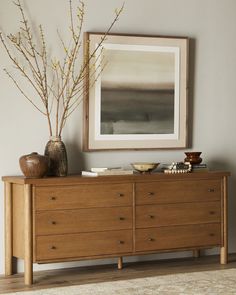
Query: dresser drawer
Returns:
{"type": "Point", "coordinates": [83, 220]}
{"type": "Point", "coordinates": [177, 214]}
{"type": "Point", "coordinates": [83, 196]}
{"type": "Point", "coordinates": [178, 191]}
{"type": "Point", "coordinates": [174, 237]}
{"type": "Point", "coordinates": [83, 245]}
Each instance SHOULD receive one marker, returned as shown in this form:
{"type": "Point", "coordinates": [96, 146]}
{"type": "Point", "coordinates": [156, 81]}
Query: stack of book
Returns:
{"type": "Point", "coordinates": [107, 171]}
{"type": "Point", "coordinates": [199, 168]}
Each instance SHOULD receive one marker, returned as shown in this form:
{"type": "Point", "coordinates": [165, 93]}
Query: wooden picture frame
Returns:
{"type": "Point", "coordinates": [136, 94]}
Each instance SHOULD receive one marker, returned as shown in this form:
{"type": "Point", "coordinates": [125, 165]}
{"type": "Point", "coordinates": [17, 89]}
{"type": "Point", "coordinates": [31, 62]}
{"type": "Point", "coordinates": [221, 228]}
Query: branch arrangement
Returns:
{"type": "Point", "coordinates": [58, 84]}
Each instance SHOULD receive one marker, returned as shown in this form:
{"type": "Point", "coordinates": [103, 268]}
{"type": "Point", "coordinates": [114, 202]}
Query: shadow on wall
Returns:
{"type": "Point", "coordinates": [192, 60]}
{"type": "Point", "coordinates": [75, 157]}
{"type": "Point", "coordinates": [227, 166]}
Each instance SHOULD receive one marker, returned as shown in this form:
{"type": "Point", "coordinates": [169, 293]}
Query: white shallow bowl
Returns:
{"type": "Point", "coordinates": [144, 166]}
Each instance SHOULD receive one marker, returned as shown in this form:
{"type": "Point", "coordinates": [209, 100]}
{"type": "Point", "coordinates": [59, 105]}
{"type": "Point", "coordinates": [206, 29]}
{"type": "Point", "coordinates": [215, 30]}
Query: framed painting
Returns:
{"type": "Point", "coordinates": [136, 94]}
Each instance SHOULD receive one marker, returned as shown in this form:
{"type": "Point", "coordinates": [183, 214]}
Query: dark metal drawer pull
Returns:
{"type": "Point", "coordinates": [211, 190]}
{"type": "Point", "coordinates": [53, 198]}
{"type": "Point", "coordinates": [151, 193]}
{"type": "Point", "coordinates": [120, 195]}
{"type": "Point", "coordinates": [121, 218]}
{"type": "Point", "coordinates": [212, 212]}
{"type": "Point", "coordinates": [151, 240]}
{"type": "Point", "coordinates": [54, 222]}
{"type": "Point", "coordinates": [151, 216]}
{"type": "Point", "coordinates": [53, 248]}
{"type": "Point", "coordinates": [121, 242]}
{"type": "Point", "coordinates": [211, 235]}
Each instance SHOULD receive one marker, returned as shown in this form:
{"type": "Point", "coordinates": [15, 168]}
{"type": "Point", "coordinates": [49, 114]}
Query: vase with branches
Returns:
{"type": "Point", "coordinates": [58, 83]}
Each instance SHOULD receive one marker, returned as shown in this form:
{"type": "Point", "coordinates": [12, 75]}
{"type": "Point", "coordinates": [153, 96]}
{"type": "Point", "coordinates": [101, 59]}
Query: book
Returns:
{"type": "Point", "coordinates": [108, 172]}
{"type": "Point", "coordinates": [102, 169]}
{"type": "Point", "coordinates": [116, 172]}
{"type": "Point", "coordinates": [99, 169]}
{"type": "Point", "coordinates": [89, 173]}
{"type": "Point", "coordinates": [199, 168]}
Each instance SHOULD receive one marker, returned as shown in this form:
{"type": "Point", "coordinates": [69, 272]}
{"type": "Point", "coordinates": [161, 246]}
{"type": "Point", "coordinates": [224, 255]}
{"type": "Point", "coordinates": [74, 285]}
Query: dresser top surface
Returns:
{"type": "Point", "coordinates": [77, 179]}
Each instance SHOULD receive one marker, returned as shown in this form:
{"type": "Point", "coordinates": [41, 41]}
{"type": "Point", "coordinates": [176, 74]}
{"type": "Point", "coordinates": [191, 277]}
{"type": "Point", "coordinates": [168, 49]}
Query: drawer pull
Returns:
{"type": "Point", "coordinates": [211, 190]}
{"type": "Point", "coordinates": [53, 198]}
{"type": "Point", "coordinates": [151, 194]}
{"type": "Point", "coordinates": [120, 195]}
{"type": "Point", "coordinates": [151, 240]}
{"type": "Point", "coordinates": [211, 235]}
{"type": "Point", "coordinates": [212, 212]}
{"type": "Point", "coordinates": [151, 216]}
{"type": "Point", "coordinates": [121, 242]}
{"type": "Point", "coordinates": [53, 248]}
{"type": "Point", "coordinates": [121, 218]}
{"type": "Point", "coordinates": [53, 222]}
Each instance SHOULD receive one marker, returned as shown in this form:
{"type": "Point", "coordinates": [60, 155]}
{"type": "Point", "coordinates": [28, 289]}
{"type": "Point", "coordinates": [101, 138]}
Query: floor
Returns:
{"type": "Point", "coordinates": [93, 274]}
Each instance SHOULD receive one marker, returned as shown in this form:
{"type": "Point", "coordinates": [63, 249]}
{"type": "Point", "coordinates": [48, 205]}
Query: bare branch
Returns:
{"type": "Point", "coordinates": [16, 43]}
{"type": "Point", "coordinates": [84, 67]}
{"type": "Point", "coordinates": [71, 20]}
{"type": "Point", "coordinates": [17, 85]}
{"type": "Point", "coordinates": [58, 83]}
{"type": "Point", "coordinates": [20, 68]}
{"type": "Point", "coordinates": [29, 38]}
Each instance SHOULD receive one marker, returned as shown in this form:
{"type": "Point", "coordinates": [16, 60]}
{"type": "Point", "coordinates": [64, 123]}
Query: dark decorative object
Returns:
{"type": "Point", "coordinates": [179, 167]}
{"type": "Point", "coordinates": [34, 165]}
{"type": "Point", "coordinates": [56, 152]}
{"type": "Point", "coordinates": [193, 157]}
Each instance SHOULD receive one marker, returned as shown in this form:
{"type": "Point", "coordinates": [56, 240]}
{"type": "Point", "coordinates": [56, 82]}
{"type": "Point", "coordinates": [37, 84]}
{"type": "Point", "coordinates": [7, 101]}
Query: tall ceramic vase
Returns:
{"type": "Point", "coordinates": [56, 152]}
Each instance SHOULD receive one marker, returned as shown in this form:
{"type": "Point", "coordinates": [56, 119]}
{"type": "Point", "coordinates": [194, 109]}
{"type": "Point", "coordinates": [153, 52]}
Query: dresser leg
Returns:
{"type": "Point", "coordinates": [196, 253]}
{"type": "Point", "coordinates": [224, 249]}
{"type": "Point", "coordinates": [120, 263]}
{"type": "Point", "coordinates": [223, 255]}
{"type": "Point", "coordinates": [8, 229]}
{"type": "Point", "coordinates": [28, 261]}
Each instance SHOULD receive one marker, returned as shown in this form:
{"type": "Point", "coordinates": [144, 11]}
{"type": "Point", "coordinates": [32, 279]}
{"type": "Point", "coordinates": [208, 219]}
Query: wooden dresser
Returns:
{"type": "Point", "coordinates": [74, 218]}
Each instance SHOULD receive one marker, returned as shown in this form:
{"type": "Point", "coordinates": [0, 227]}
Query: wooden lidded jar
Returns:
{"type": "Point", "coordinates": [34, 165]}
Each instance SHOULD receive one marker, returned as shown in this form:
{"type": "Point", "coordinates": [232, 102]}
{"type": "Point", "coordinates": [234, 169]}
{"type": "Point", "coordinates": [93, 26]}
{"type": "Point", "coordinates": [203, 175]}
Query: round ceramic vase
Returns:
{"type": "Point", "coordinates": [34, 165]}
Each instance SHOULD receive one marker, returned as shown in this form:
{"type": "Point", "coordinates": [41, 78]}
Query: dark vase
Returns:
{"type": "Point", "coordinates": [34, 165]}
{"type": "Point", "coordinates": [56, 152]}
{"type": "Point", "coordinates": [193, 157]}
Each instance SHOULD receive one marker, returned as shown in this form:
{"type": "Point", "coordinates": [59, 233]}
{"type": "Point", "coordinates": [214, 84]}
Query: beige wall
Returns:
{"type": "Point", "coordinates": [211, 25]}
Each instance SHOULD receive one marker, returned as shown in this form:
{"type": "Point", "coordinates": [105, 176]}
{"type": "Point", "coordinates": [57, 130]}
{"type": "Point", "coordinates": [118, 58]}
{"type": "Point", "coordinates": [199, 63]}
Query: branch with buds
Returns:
{"type": "Point", "coordinates": [58, 84]}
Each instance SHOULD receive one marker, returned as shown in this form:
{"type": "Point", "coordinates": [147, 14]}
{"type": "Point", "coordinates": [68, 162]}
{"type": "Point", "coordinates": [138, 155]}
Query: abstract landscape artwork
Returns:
{"type": "Point", "coordinates": [139, 99]}
{"type": "Point", "coordinates": [137, 92]}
